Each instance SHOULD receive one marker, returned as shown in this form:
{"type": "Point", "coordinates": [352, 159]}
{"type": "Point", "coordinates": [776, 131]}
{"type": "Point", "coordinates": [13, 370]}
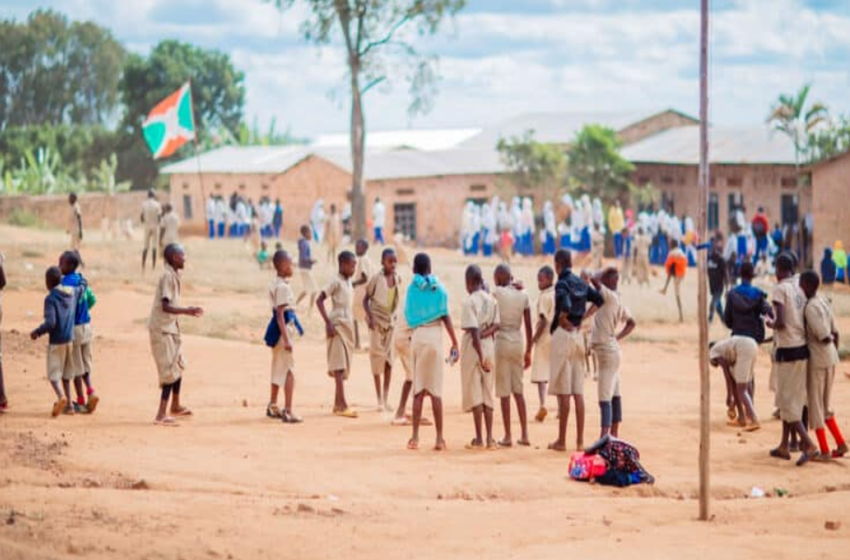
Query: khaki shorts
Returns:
{"type": "Point", "coordinates": [608, 359]}
{"type": "Point", "coordinates": [165, 348]}
{"type": "Point", "coordinates": [567, 363]}
{"type": "Point", "coordinates": [308, 283]}
{"type": "Point", "coordinates": [509, 367]}
{"type": "Point", "coordinates": [381, 349]}
{"type": "Point", "coordinates": [60, 364]}
{"type": "Point", "coordinates": [476, 384]}
{"type": "Point", "coordinates": [820, 381]}
{"type": "Point", "coordinates": [746, 350]}
{"type": "Point", "coordinates": [283, 362]}
{"type": "Point", "coordinates": [791, 394]}
{"type": "Point", "coordinates": [426, 346]}
{"type": "Point", "coordinates": [81, 352]}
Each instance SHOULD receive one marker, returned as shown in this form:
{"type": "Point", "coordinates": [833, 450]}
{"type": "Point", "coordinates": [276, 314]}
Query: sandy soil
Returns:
{"type": "Point", "coordinates": [232, 484]}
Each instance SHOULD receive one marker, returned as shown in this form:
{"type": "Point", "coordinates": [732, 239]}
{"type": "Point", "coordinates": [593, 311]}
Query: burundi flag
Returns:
{"type": "Point", "coordinates": [170, 124]}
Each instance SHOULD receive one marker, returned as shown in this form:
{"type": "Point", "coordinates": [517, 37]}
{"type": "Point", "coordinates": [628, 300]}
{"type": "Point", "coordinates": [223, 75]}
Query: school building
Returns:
{"type": "Point", "coordinates": [423, 177]}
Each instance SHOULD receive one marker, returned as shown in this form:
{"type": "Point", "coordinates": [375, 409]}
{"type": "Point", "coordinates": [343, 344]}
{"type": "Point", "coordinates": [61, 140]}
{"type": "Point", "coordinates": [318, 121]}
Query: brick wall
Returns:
{"type": "Point", "coordinates": [53, 210]}
{"type": "Point", "coordinates": [830, 192]}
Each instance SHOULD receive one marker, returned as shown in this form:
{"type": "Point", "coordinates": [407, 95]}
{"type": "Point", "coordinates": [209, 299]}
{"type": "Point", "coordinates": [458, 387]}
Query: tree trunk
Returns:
{"type": "Point", "coordinates": [358, 145]}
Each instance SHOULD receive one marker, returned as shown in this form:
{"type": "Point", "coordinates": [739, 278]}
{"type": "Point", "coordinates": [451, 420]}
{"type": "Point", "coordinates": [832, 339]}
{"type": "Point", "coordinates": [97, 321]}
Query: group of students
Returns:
{"type": "Point", "coordinates": [238, 217]}
{"type": "Point", "coordinates": [805, 354]}
{"type": "Point", "coordinates": [502, 338]}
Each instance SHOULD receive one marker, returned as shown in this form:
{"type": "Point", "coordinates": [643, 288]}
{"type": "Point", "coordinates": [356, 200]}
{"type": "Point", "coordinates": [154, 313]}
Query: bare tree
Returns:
{"type": "Point", "coordinates": [374, 35]}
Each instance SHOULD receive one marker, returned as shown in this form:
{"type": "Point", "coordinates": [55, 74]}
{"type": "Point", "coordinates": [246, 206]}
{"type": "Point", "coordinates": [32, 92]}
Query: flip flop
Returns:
{"type": "Point", "coordinates": [492, 446]}
{"type": "Point", "coordinates": [168, 421]}
{"type": "Point", "coordinates": [779, 455]}
{"type": "Point", "coordinates": [805, 457]}
{"type": "Point", "coordinates": [413, 445]}
{"type": "Point", "coordinates": [425, 422]}
{"type": "Point", "coordinates": [181, 412]}
{"type": "Point", "coordinates": [731, 413]}
{"type": "Point", "coordinates": [401, 422]}
{"type": "Point", "coordinates": [272, 411]}
{"type": "Point", "coordinates": [841, 451]}
{"type": "Point", "coordinates": [523, 442]}
{"type": "Point", "coordinates": [505, 444]}
{"type": "Point", "coordinates": [753, 427]}
{"type": "Point", "coordinates": [347, 413]}
{"type": "Point", "coordinates": [92, 404]}
{"type": "Point", "coordinates": [58, 407]}
{"type": "Point", "coordinates": [541, 415]}
{"type": "Point", "coordinates": [473, 446]}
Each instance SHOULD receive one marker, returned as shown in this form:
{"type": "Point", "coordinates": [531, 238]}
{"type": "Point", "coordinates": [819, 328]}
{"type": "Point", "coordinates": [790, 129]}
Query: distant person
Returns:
{"type": "Point", "coordinates": [75, 222]}
{"type": "Point", "coordinates": [221, 213]}
{"type": "Point", "coordinates": [828, 273]}
{"type": "Point", "coordinates": [164, 331]}
{"type": "Point", "coordinates": [59, 326]}
{"type": "Point", "coordinates": [211, 217]}
{"type": "Point", "coordinates": [676, 266]}
{"type": "Point", "coordinates": [277, 219]}
{"type": "Point", "coordinates": [362, 274]}
{"type": "Point", "coordinates": [761, 229]}
{"type": "Point", "coordinates": [736, 356]}
{"type": "Point", "coordinates": [380, 301]}
{"type": "Point", "coordinates": [822, 339]}
{"type": "Point", "coordinates": [150, 218]}
{"type": "Point", "coordinates": [716, 278]}
{"type": "Point", "coordinates": [333, 233]}
{"type": "Point", "coordinates": [616, 224]}
{"type": "Point", "coordinates": [479, 321]}
{"type": "Point", "coordinates": [305, 268]}
{"type": "Point", "coordinates": [642, 243]}
{"type": "Point", "coordinates": [379, 216]}
{"type": "Point", "coordinates": [778, 237]}
{"type": "Point", "coordinates": [169, 231]}
{"type": "Point", "coordinates": [839, 257]}
{"type": "Point", "coordinates": [4, 402]}
{"type": "Point", "coordinates": [282, 302]}
{"type": "Point", "coordinates": [339, 326]}
{"type": "Point", "coordinates": [263, 255]}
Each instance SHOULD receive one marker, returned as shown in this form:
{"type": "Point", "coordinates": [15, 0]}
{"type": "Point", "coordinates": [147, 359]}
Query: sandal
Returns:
{"type": "Point", "coordinates": [289, 418]}
{"type": "Point", "coordinates": [92, 404]}
{"type": "Point", "coordinates": [401, 422]}
{"type": "Point", "coordinates": [58, 407]}
{"type": "Point", "coordinates": [731, 413]}
{"type": "Point", "coordinates": [183, 411]}
{"type": "Point", "coordinates": [347, 413]}
{"type": "Point", "coordinates": [541, 414]}
{"type": "Point", "coordinates": [440, 446]}
{"type": "Point", "coordinates": [273, 411]}
{"type": "Point", "coordinates": [809, 455]}
{"type": "Point", "coordinates": [169, 421]}
{"type": "Point", "coordinates": [780, 455]}
{"type": "Point", "coordinates": [474, 445]}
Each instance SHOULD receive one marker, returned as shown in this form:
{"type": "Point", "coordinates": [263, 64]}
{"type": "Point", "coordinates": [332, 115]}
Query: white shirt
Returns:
{"type": "Point", "coordinates": [379, 214]}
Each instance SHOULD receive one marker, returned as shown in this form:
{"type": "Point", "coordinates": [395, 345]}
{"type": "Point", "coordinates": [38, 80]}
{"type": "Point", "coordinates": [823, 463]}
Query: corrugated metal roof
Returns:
{"type": "Point", "coordinates": [730, 145]}
{"type": "Point", "coordinates": [554, 127]}
{"type": "Point", "coordinates": [438, 139]}
{"type": "Point", "coordinates": [242, 159]}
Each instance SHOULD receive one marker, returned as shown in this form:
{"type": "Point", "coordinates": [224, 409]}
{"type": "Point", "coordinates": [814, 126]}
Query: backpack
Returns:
{"type": "Point", "coordinates": [587, 467]}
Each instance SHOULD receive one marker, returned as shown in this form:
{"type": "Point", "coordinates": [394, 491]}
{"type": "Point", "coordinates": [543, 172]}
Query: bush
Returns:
{"type": "Point", "coordinates": [24, 218]}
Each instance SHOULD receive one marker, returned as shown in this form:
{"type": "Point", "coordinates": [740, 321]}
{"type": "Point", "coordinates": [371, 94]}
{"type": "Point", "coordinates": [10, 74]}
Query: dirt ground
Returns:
{"type": "Point", "coordinates": [231, 484]}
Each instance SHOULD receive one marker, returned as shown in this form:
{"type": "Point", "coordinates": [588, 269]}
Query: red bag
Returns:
{"type": "Point", "coordinates": [586, 467]}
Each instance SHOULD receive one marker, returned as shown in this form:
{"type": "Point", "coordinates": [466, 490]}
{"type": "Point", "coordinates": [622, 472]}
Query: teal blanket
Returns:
{"type": "Point", "coordinates": [427, 301]}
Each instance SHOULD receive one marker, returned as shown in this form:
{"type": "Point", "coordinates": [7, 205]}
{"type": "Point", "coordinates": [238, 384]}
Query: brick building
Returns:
{"type": "Point", "coordinates": [830, 192]}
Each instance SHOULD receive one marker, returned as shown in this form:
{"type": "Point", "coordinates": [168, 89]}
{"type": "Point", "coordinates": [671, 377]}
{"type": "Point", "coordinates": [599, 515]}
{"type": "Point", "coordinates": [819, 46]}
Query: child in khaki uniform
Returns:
{"type": "Point", "coordinates": [282, 301]}
{"type": "Point", "coordinates": [511, 359]}
{"type": "Point", "coordinates": [305, 268]}
{"type": "Point", "coordinates": [737, 356]}
{"type": "Point", "coordinates": [59, 306]}
{"type": "Point", "coordinates": [164, 331]}
{"type": "Point", "coordinates": [380, 303]}
{"type": "Point", "coordinates": [426, 310]}
{"type": "Point", "coordinates": [150, 218]}
{"type": "Point", "coordinates": [789, 304]}
{"type": "Point", "coordinates": [339, 325]}
{"type": "Point", "coordinates": [479, 321]}
{"type": "Point", "coordinates": [75, 222]}
{"type": "Point", "coordinates": [605, 342]}
{"type": "Point", "coordinates": [362, 274]}
{"type": "Point", "coordinates": [822, 337]}
{"type": "Point", "coordinates": [542, 338]}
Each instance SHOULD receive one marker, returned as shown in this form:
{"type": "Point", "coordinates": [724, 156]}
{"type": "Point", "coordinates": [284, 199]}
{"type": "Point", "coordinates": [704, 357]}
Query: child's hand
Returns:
{"type": "Point", "coordinates": [527, 359]}
{"type": "Point", "coordinates": [34, 335]}
{"type": "Point", "coordinates": [196, 311]}
{"type": "Point", "coordinates": [287, 345]}
{"type": "Point", "coordinates": [330, 330]}
{"type": "Point", "coordinates": [486, 366]}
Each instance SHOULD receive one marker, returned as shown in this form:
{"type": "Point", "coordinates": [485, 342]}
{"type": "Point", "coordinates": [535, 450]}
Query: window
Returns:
{"type": "Point", "coordinates": [404, 192]}
{"type": "Point", "coordinates": [478, 188]}
{"type": "Point", "coordinates": [478, 201]}
{"type": "Point", "coordinates": [185, 186]}
{"type": "Point", "coordinates": [218, 186]}
{"type": "Point", "coordinates": [790, 209]}
{"type": "Point", "coordinates": [713, 212]}
{"type": "Point", "coordinates": [666, 180]}
{"type": "Point", "coordinates": [735, 202]}
{"type": "Point", "coordinates": [404, 216]}
{"type": "Point", "coordinates": [265, 187]}
{"type": "Point", "coordinates": [789, 182]}
{"type": "Point", "coordinates": [187, 207]}
{"type": "Point", "coordinates": [643, 180]}
{"type": "Point", "coordinates": [734, 182]}
{"type": "Point", "coordinates": [242, 186]}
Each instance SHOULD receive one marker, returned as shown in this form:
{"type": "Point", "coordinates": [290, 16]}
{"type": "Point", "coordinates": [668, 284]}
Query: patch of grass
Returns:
{"type": "Point", "coordinates": [24, 218]}
{"type": "Point", "coordinates": [844, 353]}
{"type": "Point", "coordinates": [31, 254]}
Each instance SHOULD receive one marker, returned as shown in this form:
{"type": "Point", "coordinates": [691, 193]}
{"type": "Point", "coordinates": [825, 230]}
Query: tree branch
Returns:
{"type": "Point", "coordinates": [372, 84]}
{"type": "Point", "coordinates": [387, 38]}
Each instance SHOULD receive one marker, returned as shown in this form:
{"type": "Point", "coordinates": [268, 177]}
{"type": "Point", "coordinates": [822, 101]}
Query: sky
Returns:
{"type": "Point", "coordinates": [500, 58]}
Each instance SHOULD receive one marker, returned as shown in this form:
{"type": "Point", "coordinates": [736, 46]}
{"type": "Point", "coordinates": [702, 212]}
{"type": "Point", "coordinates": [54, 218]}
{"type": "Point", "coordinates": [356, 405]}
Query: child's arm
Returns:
{"type": "Point", "coordinates": [49, 322]}
{"type": "Point", "coordinates": [627, 329]}
{"type": "Point", "coordinates": [777, 323]}
{"type": "Point", "coordinates": [360, 281]}
{"type": "Point", "coordinates": [367, 309]}
{"type": "Point", "coordinates": [447, 323]}
{"type": "Point", "coordinates": [542, 326]}
{"type": "Point", "coordinates": [174, 310]}
{"type": "Point", "coordinates": [490, 331]}
{"type": "Point", "coordinates": [475, 334]}
{"type": "Point", "coordinates": [528, 340]}
{"type": "Point", "coordinates": [320, 304]}
{"type": "Point", "coordinates": [281, 324]}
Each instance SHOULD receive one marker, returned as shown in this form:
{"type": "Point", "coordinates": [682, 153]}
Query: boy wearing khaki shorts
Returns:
{"type": "Point", "coordinates": [737, 355]}
{"type": "Point", "coordinates": [380, 302]}
{"type": "Point", "coordinates": [282, 301]}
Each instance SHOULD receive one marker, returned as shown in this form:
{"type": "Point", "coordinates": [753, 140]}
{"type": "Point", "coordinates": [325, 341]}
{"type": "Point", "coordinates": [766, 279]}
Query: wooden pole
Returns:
{"type": "Point", "coordinates": [203, 204]}
{"type": "Point", "coordinates": [702, 297]}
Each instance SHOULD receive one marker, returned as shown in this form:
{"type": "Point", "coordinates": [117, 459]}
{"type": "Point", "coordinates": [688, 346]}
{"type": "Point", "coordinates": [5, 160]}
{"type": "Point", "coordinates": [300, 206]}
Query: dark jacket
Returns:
{"type": "Point", "coordinates": [716, 273]}
{"type": "Point", "coordinates": [59, 307]}
{"type": "Point", "coordinates": [571, 297]}
{"type": "Point", "coordinates": [828, 270]}
{"type": "Point", "coordinates": [745, 308]}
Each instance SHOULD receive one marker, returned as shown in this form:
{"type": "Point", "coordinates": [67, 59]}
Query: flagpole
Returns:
{"type": "Point", "coordinates": [197, 151]}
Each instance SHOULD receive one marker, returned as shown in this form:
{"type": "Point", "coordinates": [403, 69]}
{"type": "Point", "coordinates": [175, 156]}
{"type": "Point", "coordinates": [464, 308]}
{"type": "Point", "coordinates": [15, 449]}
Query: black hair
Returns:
{"type": "Point", "coordinates": [502, 268]}
{"type": "Point", "coordinates": [564, 258]}
{"type": "Point", "coordinates": [547, 271]}
{"type": "Point", "coordinates": [362, 243]}
{"type": "Point", "coordinates": [748, 271]}
{"type": "Point", "coordinates": [280, 256]}
{"type": "Point", "coordinates": [170, 250]}
{"type": "Point", "coordinates": [386, 253]}
{"type": "Point", "coordinates": [72, 258]}
{"type": "Point", "coordinates": [474, 275]}
{"type": "Point", "coordinates": [785, 263]}
{"type": "Point", "coordinates": [304, 229]}
{"type": "Point", "coordinates": [422, 264]}
{"type": "Point", "coordinates": [346, 256]}
{"type": "Point", "coordinates": [811, 279]}
{"type": "Point", "coordinates": [53, 276]}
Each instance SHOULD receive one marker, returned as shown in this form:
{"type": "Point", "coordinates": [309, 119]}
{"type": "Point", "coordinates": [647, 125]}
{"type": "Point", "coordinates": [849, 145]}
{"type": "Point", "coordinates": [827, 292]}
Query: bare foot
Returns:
{"type": "Point", "coordinates": [523, 442]}
{"type": "Point", "coordinates": [505, 443]}
{"type": "Point", "coordinates": [440, 445]}
{"type": "Point", "coordinates": [558, 446]}
{"type": "Point", "coordinates": [413, 444]}
{"type": "Point", "coordinates": [474, 445]}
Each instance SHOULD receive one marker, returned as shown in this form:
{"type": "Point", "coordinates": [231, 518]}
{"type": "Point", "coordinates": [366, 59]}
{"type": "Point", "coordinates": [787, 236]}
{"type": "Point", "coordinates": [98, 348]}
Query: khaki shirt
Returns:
{"type": "Point", "coordinates": [608, 317]}
{"type": "Point", "coordinates": [512, 306]}
{"type": "Point", "coordinates": [74, 219]}
{"type": "Point", "coordinates": [168, 288]}
{"type": "Point", "coordinates": [789, 294]}
{"type": "Point", "coordinates": [384, 299]}
{"type": "Point", "coordinates": [820, 324]}
{"type": "Point", "coordinates": [480, 311]}
{"type": "Point", "coordinates": [151, 212]}
{"type": "Point", "coordinates": [546, 309]}
{"type": "Point", "coordinates": [642, 243]}
{"type": "Point", "coordinates": [341, 294]}
{"type": "Point", "coordinates": [364, 267]}
{"type": "Point", "coordinates": [170, 229]}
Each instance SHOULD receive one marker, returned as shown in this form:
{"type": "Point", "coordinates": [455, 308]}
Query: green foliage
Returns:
{"type": "Point", "coordinates": [24, 218]}
{"type": "Point", "coordinates": [253, 136]}
{"type": "Point", "coordinates": [53, 71]}
{"type": "Point", "coordinates": [596, 166]}
{"type": "Point", "coordinates": [103, 177]}
{"type": "Point", "coordinates": [534, 166]}
{"type": "Point", "coordinates": [829, 142]}
{"type": "Point", "coordinates": [792, 117]}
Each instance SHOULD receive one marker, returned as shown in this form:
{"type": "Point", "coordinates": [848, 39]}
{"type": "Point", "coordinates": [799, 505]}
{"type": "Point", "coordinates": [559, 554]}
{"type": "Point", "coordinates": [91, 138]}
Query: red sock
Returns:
{"type": "Point", "coordinates": [81, 401]}
{"type": "Point", "coordinates": [824, 445]}
{"type": "Point", "coordinates": [90, 391]}
{"type": "Point", "coordinates": [833, 429]}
